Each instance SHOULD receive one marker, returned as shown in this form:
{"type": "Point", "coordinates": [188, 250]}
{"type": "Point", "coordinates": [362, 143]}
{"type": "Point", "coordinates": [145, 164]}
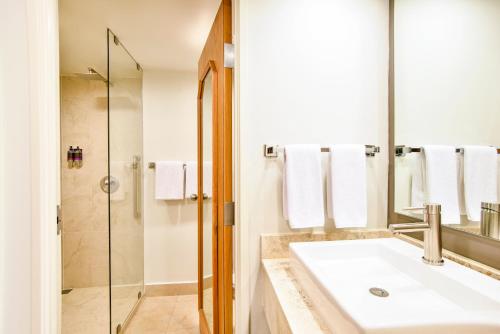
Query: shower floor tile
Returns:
{"type": "Point", "coordinates": [86, 311]}
{"type": "Point", "coordinates": [166, 315]}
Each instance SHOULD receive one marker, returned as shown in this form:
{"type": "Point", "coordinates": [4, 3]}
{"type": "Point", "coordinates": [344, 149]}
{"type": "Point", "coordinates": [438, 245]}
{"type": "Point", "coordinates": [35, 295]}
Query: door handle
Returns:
{"type": "Point", "coordinates": [194, 197]}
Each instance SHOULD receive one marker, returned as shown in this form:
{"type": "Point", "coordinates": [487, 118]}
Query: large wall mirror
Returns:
{"type": "Point", "coordinates": [446, 93]}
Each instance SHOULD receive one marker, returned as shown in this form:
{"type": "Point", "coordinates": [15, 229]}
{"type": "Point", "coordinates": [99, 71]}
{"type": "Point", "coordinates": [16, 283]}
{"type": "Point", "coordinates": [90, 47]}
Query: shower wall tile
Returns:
{"type": "Point", "coordinates": [85, 235]}
{"type": "Point", "coordinates": [86, 239]}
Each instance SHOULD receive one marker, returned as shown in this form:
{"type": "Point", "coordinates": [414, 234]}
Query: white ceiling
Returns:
{"type": "Point", "coordinates": [160, 34]}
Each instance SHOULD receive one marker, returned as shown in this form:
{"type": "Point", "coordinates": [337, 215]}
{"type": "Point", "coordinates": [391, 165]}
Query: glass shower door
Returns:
{"type": "Point", "coordinates": [125, 175]}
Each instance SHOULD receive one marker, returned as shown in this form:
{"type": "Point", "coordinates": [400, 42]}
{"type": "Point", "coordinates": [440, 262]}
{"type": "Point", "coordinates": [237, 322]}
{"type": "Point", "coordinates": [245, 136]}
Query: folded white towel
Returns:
{"type": "Point", "coordinates": [346, 186]}
{"type": "Point", "coordinates": [169, 180]}
{"type": "Point", "coordinates": [480, 178]}
{"type": "Point", "coordinates": [303, 203]}
{"type": "Point", "coordinates": [417, 180]}
{"type": "Point", "coordinates": [441, 181]}
{"type": "Point", "coordinates": [192, 178]}
{"type": "Point", "coordinates": [119, 173]}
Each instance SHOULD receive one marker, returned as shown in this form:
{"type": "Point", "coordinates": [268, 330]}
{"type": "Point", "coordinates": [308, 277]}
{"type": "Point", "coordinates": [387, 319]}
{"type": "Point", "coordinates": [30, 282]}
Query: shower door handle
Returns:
{"type": "Point", "coordinates": [136, 167]}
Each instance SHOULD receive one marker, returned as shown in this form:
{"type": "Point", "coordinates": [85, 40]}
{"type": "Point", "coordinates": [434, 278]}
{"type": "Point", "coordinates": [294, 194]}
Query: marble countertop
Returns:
{"type": "Point", "coordinates": [296, 307]}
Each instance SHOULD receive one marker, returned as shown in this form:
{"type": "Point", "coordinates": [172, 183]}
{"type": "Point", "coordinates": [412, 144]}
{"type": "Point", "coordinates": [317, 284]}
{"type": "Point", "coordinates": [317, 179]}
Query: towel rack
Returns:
{"type": "Point", "coordinates": [272, 151]}
{"type": "Point", "coordinates": [402, 150]}
{"type": "Point", "coordinates": [152, 165]}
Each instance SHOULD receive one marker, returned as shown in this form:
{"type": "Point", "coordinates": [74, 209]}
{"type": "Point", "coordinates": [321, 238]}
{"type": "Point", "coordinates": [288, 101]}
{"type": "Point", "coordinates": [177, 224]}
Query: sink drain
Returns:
{"type": "Point", "coordinates": [379, 292]}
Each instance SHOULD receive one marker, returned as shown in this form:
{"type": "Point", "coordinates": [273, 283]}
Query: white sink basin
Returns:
{"type": "Point", "coordinates": [423, 299]}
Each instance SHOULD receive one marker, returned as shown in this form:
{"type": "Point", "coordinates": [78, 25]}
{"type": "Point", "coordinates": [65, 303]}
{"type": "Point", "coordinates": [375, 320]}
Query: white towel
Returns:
{"type": "Point", "coordinates": [192, 178]}
{"type": "Point", "coordinates": [119, 173]}
{"type": "Point", "coordinates": [346, 186]}
{"type": "Point", "coordinates": [303, 204]}
{"type": "Point", "coordinates": [169, 180]}
{"type": "Point", "coordinates": [480, 178]}
{"type": "Point", "coordinates": [441, 181]}
{"type": "Point", "coordinates": [417, 180]}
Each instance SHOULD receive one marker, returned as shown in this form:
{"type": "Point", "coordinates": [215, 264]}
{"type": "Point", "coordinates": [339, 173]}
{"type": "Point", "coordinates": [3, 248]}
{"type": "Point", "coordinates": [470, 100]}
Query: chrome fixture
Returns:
{"type": "Point", "coordinates": [272, 151]}
{"type": "Point", "coordinates": [490, 220]}
{"type": "Point", "coordinates": [402, 150]}
{"type": "Point", "coordinates": [109, 184]}
{"type": "Point", "coordinates": [152, 165]}
{"type": "Point", "coordinates": [431, 226]}
{"type": "Point", "coordinates": [194, 197]}
{"type": "Point", "coordinates": [136, 167]}
{"type": "Point", "coordinates": [117, 42]}
{"type": "Point", "coordinates": [228, 55]}
{"type": "Point", "coordinates": [91, 74]}
{"type": "Point", "coordinates": [379, 292]}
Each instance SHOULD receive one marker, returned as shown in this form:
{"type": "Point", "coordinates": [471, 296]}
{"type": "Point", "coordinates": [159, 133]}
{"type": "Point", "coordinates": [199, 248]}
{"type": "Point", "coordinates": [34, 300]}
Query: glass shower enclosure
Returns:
{"type": "Point", "coordinates": [102, 192]}
{"type": "Point", "coordinates": [125, 196]}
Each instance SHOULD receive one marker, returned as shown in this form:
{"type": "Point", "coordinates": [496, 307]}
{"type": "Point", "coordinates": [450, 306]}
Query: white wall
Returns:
{"type": "Point", "coordinates": [447, 66]}
{"type": "Point", "coordinates": [311, 72]}
{"type": "Point", "coordinates": [15, 225]}
{"type": "Point", "coordinates": [170, 227]}
{"type": "Point", "coordinates": [29, 107]}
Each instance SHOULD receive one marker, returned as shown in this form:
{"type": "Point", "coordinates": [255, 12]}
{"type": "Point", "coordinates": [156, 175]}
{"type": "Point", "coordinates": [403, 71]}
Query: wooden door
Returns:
{"type": "Point", "coordinates": [215, 230]}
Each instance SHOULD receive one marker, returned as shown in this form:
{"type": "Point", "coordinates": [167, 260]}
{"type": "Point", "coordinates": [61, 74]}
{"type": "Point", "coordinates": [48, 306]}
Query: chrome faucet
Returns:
{"type": "Point", "coordinates": [431, 226]}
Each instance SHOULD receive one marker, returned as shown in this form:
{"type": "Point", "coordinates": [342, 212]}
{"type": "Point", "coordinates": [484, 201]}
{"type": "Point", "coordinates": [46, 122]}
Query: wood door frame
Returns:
{"type": "Point", "coordinates": [213, 51]}
{"type": "Point", "coordinates": [210, 67]}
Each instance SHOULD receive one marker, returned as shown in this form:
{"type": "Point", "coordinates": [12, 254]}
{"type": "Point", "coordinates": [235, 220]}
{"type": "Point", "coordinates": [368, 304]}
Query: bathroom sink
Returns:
{"type": "Point", "coordinates": [407, 295]}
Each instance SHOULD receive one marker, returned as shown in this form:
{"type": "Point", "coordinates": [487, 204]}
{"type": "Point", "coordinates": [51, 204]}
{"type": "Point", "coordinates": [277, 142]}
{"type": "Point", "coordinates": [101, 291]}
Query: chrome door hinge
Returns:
{"type": "Point", "coordinates": [59, 220]}
{"type": "Point", "coordinates": [229, 214]}
{"type": "Point", "coordinates": [228, 55]}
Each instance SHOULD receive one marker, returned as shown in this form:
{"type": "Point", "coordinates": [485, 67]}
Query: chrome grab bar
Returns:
{"type": "Point", "coordinates": [136, 167]}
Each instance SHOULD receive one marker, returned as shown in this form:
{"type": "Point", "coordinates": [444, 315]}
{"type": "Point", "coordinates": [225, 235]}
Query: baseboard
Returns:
{"type": "Point", "coordinates": [171, 289]}
{"type": "Point", "coordinates": [175, 289]}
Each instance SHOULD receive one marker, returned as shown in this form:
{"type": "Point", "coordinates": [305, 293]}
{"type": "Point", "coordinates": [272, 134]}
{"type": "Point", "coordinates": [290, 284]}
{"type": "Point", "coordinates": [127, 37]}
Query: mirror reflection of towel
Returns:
{"type": "Point", "coordinates": [441, 184]}
{"type": "Point", "coordinates": [480, 178]}
{"type": "Point", "coordinates": [417, 180]}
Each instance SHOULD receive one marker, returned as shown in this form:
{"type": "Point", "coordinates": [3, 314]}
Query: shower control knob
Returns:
{"type": "Point", "coordinates": [109, 185]}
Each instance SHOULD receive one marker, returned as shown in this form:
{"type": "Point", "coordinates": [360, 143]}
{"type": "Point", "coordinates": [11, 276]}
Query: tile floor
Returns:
{"type": "Point", "coordinates": [86, 310]}
{"type": "Point", "coordinates": [166, 315]}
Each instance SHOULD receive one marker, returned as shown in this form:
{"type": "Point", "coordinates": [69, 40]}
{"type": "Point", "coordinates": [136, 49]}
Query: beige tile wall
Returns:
{"type": "Point", "coordinates": [84, 205]}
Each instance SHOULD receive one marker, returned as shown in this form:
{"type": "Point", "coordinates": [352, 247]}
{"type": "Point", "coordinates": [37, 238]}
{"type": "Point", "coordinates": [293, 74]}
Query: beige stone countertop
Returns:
{"type": "Point", "coordinates": [275, 246]}
{"type": "Point", "coordinates": [296, 314]}
{"type": "Point", "coordinates": [289, 307]}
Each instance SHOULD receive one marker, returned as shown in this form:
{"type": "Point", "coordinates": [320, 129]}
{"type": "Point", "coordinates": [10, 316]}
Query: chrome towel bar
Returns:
{"type": "Point", "coordinates": [272, 151]}
{"type": "Point", "coordinates": [402, 150]}
{"type": "Point", "coordinates": [152, 165]}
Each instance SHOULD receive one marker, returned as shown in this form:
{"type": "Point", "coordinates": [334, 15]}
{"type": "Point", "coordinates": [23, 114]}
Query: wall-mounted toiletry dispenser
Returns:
{"type": "Point", "coordinates": [75, 157]}
{"type": "Point", "coordinates": [78, 161]}
{"type": "Point", "coordinates": [70, 156]}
